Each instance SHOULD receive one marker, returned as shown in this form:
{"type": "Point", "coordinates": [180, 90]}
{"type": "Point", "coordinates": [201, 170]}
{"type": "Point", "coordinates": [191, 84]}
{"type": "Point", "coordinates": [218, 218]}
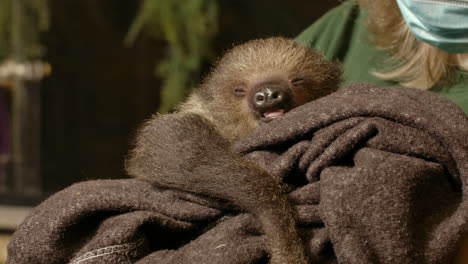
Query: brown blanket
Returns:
{"type": "Point", "coordinates": [379, 176]}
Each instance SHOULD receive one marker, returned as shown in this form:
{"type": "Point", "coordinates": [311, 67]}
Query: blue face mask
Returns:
{"type": "Point", "coordinates": [441, 23]}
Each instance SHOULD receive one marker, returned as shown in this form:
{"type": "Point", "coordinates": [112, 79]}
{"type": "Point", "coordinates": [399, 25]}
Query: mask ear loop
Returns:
{"type": "Point", "coordinates": [448, 2]}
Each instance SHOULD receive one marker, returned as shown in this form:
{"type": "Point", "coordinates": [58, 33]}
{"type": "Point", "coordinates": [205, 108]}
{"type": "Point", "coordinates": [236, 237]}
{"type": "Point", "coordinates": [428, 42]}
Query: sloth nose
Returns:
{"type": "Point", "coordinates": [268, 96]}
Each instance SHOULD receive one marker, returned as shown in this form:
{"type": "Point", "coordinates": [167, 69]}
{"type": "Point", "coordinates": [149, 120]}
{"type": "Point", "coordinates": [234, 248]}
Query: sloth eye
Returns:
{"type": "Point", "coordinates": [240, 92]}
{"type": "Point", "coordinates": [297, 82]}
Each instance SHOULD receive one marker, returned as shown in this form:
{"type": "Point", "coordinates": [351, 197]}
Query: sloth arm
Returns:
{"type": "Point", "coordinates": [185, 152]}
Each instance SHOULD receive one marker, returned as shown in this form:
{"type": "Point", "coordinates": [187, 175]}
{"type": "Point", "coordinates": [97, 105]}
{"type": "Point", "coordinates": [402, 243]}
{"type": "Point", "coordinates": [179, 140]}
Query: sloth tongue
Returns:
{"type": "Point", "coordinates": [272, 114]}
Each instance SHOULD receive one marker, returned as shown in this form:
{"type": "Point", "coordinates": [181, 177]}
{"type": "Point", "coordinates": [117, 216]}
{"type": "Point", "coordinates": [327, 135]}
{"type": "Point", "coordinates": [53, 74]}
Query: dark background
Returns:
{"type": "Point", "coordinates": [101, 90]}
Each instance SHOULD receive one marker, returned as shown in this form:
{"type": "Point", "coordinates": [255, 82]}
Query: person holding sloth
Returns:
{"type": "Point", "coordinates": [408, 43]}
{"type": "Point", "coordinates": [420, 44]}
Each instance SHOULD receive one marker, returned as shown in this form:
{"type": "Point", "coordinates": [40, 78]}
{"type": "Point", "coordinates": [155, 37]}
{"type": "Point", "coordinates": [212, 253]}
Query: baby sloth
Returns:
{"type": "Point", "coordinates": [189, 150]}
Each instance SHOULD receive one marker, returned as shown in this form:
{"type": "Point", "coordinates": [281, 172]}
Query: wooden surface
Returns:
{"type": "Point", "coordinates": [12, 216]}
{"type": "Point", "coordinates": [3, 244]}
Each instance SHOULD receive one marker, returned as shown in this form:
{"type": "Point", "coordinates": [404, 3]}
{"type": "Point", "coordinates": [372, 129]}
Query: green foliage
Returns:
{"type": "Point", "coordinates": [188, 27]}
{"type": "Point", "coordinates": [21, 22]}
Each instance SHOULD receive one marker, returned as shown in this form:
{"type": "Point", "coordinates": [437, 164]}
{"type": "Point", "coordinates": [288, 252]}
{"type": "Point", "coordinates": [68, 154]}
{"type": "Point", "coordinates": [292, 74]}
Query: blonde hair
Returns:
{"type": "Point", "coordinates": [412, 63]}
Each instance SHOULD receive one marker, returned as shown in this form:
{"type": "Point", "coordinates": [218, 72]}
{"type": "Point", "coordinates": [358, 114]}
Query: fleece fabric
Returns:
{"type": "Point", "coordinates": [377, 175]}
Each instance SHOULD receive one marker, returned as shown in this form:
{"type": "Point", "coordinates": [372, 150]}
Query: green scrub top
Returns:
{"type": "Point", "coordinates": [341, 35]}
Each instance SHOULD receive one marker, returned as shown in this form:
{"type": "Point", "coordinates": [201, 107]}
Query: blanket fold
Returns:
{"type": "Point", "coordinates": [378, 175]}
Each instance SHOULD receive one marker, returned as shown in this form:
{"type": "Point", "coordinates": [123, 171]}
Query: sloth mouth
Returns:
{"type": "Point", "coordinates": [272, 114]}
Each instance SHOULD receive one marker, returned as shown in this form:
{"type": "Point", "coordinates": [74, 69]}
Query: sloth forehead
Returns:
{"type": "Point", "coordinates": [255, 77]}
{"type": "Point", "coordinates": [264, 62]}
{"type": "Point", "coordinates": [254, 69]}
{"type": "Point", "coordinates": [270, 58]}
{"type": "Point", "coordinates": [265, 54]}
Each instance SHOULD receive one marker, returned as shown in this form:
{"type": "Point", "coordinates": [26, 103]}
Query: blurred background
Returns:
{"type": "Point", "coordinates": [78, 77]}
